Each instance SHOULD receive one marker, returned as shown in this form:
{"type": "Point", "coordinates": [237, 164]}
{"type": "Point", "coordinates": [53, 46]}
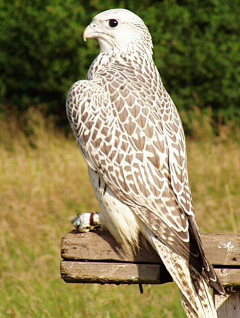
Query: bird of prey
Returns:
{"type": "Point", "coordinates": [130, 134]}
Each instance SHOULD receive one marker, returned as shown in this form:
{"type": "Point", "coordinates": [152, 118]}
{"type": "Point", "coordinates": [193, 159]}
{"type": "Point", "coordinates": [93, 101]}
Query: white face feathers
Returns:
{"type": "Point", "coordinates": [118, 28]}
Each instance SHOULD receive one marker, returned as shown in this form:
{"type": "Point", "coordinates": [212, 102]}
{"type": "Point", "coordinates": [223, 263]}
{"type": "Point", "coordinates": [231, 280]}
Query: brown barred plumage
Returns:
{"type": "Point", "coordinates": [131, 136]}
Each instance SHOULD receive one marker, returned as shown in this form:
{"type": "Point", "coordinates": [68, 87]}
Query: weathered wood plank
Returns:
{"type": "Point", "coordinates": [95, 257]}
{"type": "Point", "coordinates": [129, 273]}
{"type": "Point", "coordinates": [113, 273]}
{"type": "Point", "coordinates": [229, 306]}
{"type": "Point", "coordinates": [229, 276]}
{"type": "Point", "coordinates": [109, 272]}
{"type": "Point", "coordinates": [223, 250]}
{"type": "Point", "coordinates": [101, 246]}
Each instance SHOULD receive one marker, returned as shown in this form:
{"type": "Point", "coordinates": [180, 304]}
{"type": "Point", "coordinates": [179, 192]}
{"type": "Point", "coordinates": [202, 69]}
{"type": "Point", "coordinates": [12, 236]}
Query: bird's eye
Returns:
{"type": "Point", "coordinates": [113, 23]}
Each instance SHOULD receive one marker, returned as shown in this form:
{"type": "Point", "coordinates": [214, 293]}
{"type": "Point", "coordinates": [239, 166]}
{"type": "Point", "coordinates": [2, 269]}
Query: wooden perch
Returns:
{"type": "Point", "coordinates": [95, 257]}
{"type": "Point", "coordinates": [90, 258]}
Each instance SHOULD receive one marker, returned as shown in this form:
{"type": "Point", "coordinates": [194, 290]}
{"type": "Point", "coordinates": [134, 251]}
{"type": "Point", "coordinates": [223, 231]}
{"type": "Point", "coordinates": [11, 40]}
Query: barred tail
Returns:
{"type": "Point", "coordinates": [196, 298]}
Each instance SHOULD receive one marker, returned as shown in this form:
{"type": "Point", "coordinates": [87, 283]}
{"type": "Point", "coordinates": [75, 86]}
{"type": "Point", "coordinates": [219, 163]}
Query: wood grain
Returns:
{"type": "Point", "coordinates": [229, 306]}
{"type": "Point", "coordinates": [95, 257]}
{"type": "Point", "coordinates": [101, 246]}
{"type": "Point", "coordinates": [129, 273]}
{"type": "Point", "coordinates": [110, 273]}
{"type": "Point", "coordinates": [222, 250]}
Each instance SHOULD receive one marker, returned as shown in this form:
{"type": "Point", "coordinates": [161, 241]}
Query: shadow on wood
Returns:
{"type": "Point", "coordinates": [99, 247]}
{"type": "Point", "coordinates": [95, 257]}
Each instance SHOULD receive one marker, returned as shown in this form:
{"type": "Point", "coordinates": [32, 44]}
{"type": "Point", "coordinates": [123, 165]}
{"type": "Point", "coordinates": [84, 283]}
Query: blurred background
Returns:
{"type": "Point", "coordinates": [43, 178]}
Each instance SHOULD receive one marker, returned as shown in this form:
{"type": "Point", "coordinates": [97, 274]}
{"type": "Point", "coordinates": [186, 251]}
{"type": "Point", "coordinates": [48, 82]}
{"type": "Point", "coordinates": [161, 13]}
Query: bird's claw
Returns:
{"type": "Point", "coordinates": [86, 222]}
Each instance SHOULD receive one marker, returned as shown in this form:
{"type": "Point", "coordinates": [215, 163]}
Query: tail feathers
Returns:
{"type": "Point", "coordinates": [188, 308]}
{"type": "Point", "coordinates": [206, 303]}
{"type": "Point", "coordinates": [196, 298]}
{"type": "Point", "coordinates": [209, 270]}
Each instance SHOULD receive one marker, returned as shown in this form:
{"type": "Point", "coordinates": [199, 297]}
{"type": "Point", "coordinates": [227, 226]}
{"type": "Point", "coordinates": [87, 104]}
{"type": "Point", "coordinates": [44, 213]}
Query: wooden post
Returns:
{"type": "Point", "coordinates": [95, 257]}
{"type": "Point", "coordinates": [229, 306]}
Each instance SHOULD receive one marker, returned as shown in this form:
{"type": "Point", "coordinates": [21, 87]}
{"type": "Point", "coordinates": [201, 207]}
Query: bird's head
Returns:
{"type": "Point", "coordinates": [119, 28]}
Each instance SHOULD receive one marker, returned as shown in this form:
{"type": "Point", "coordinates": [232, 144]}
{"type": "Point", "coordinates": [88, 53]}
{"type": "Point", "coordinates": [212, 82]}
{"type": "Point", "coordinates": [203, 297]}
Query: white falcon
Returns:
{"type": "Point", "coordinates": [130, 134]}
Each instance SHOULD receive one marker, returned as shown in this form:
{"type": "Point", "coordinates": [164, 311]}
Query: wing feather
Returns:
{"type": "Point", "coordinates": [134, 139]}
{"type": "Point", "coordinates": [144, 179]}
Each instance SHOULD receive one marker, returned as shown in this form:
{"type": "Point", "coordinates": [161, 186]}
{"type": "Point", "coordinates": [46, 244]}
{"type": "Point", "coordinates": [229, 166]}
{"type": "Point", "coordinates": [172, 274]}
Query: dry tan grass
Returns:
{"type": "Point", "coordinates": [44, 183]}
{"type": "Point", "coordinates": [214, 169]}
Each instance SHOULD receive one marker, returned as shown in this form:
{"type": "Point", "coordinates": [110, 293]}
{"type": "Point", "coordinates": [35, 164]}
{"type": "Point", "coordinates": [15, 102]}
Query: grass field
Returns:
{"type": "Point", "coordinates": [44, 183]}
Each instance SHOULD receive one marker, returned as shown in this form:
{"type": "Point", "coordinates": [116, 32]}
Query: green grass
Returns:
{"type": "Point", "coordinates": [44, 183]}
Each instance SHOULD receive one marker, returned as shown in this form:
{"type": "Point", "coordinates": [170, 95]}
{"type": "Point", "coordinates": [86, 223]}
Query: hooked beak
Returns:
{"type": "Point", "coordinates": [89, 33]}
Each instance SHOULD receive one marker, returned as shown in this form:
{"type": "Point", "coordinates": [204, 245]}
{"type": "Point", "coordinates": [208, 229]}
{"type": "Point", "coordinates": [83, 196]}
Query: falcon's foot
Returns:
{"type": "Point", "coordinates": [86, 222]}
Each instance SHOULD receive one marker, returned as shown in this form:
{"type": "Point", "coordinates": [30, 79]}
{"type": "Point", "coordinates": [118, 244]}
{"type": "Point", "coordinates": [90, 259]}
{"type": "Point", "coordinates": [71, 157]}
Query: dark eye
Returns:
{"type": "Point", "coordinates": [113, 23]}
